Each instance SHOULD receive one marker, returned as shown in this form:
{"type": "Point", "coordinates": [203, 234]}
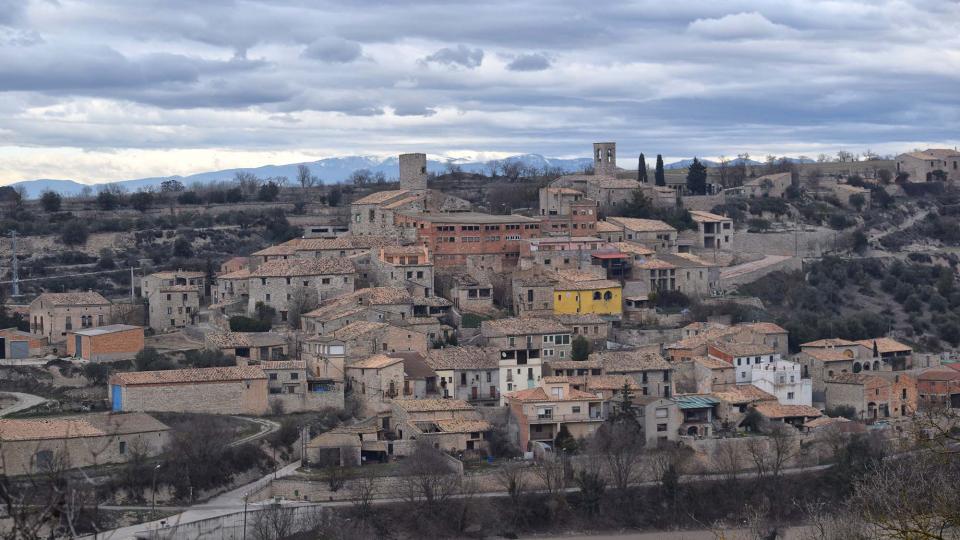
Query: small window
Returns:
{"type": "Point", "coordinates": [123, 447]}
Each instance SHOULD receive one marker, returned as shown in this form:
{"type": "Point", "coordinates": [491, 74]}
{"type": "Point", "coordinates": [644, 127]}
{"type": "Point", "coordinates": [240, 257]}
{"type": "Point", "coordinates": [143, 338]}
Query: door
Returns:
{"type": "Point", "coordinates": [116, 399]}
{"type": "Point", "coordinates": [78, 346]}
{"type": "Point", "coordinates": [3, 347]}
{"type": "Point", "coordinates": [19, 349]}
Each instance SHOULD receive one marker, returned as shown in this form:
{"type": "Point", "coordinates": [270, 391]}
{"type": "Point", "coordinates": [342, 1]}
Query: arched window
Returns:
{"type": "Point", "coordinates": [866, 366]}
{"type": "Point", "coordinates": [596, 295]}
{"type": "Point", "coordinates": [856, 367]}
{"type": "Point", "coordinates": [876, 365]}
{"type": "Point", "coordinates": [608, 295]}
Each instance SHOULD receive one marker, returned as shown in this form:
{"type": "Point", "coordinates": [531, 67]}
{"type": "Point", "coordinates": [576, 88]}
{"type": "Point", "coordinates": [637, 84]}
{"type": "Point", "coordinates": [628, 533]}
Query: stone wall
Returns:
{"type": "Point", "coordinates": [805, 243]}
{"type": "Point", "coordinates": [227, 397]}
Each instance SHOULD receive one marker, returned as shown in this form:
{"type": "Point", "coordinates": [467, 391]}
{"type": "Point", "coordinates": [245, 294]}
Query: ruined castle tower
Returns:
{"type": "Point", "coordinates": [413, 172]}
{"type": "Point", "coordinates": [605, 158]}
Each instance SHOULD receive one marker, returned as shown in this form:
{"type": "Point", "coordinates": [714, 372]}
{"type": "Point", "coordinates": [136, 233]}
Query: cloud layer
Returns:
{"type": "Point", "coordinates": [109, 89]}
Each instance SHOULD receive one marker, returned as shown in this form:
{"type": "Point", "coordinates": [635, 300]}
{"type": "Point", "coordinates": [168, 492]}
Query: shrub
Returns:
{"type": "Point", "coordinates": [472, 320]}
{"type": "Point", "coordinates": [50, 201]}
{"type": "Point", "coordinates": [240, 323]}
{"type": "Point", "coordinates": [580, 348]}
{"type": "Point", "coordinates": [183, 248]}
{"type": "Point", "coordinates": [189, 197]}
{"type": "Point", "coordinates": [150, 359]}
{"type": "Point", "coordinates": [108, 201]}
{"type": "Point", "coordinates": [141, 200]}
{"type": "Point", "coordinates": [97, 373]}
{"type": "Point", "coordinates": [74, 233]}
{"type": "Point", "coordinates": [207, 358]}
{"type": "Point", "coordinates": [669, 299]}
{"type": "Point", "coordinates": [757, 225]}
{"type": "Point", "coordinates": [268, 192]}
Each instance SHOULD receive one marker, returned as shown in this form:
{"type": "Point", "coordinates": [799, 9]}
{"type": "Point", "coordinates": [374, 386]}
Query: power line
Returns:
{"type": "Point", "coordinates": [21, 280]}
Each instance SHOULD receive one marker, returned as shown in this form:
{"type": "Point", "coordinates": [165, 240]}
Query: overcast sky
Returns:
{"type": "Point", "coordinates": [117, 89]}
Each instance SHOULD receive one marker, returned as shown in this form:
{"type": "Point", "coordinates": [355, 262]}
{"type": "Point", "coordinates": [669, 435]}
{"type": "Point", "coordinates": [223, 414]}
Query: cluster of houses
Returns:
{"type": "Point", "coordinates": [444, 323]}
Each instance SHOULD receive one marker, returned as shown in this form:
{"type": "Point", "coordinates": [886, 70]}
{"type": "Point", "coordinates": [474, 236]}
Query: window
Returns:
{"type": "Point", "coordinates": [294, 376]}
{"type": "Point", "coordinates": [325, 281]}
{"type": "Point", "coordinates": [267, 297]}
{"type": "Point", "coordinates": [661, 427]}
{"type": "Point", "coordinates": [463, 379]}
{"type": "Point", "coordinates": [576, 410]}
{"type": "Point", "coordinates": [789, 395]}
{"type": "Point", "coordinates": [273, 376]}
{"type": "Point", "coordinates": [661, 412]}
{"type": "Point", "coordinates": [596, 295]}
{"type": "Point", "coordinates": [123, 447]}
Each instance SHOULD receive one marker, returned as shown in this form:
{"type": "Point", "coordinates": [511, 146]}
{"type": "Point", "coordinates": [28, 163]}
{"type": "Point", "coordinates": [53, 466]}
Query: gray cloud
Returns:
{"type": "Point", "coordinates": [462, 56]}
{"type": "Point", "coordinates": [333, 50]}
{"type": "Point", "coordinates": [722, 77]}
{"type": "Point", "coordinates": [529, 62]}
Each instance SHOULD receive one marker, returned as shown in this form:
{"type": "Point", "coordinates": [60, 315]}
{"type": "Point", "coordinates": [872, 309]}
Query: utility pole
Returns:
{"type": "Point", "coordinates": [15, 268]}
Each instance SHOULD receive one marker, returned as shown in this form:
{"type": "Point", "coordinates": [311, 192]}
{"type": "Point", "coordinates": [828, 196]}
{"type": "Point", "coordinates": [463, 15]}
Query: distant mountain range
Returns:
{"type": "Point", "coordinates": [330, 170]}
{"type": "Point", "coordinates": [336, 170]}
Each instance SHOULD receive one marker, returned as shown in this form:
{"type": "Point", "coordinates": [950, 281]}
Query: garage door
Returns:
{"type": "Point", "coordinates": [19, 349]}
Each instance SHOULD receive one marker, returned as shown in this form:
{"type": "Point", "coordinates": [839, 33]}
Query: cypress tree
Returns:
{"type": "Point", "coordinates": [642, 170]}
{"type": "Point", "coordinates": [697, 178]}
{"type": "Point", "coordinates": [659, 179]}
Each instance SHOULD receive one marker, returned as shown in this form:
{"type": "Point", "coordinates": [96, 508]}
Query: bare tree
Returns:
{"type": "Point", "coordinates": [274, 523]}
{"type": "Point", "coordinates": [362, 490]}
{"type": "Point", "coordinates": [830, 523]}
{"type": "Point", "coordinates": [429, 482]}
{"type": "Point", "coordinates": [726, 459]}
{"type": "Point", "coordinates": [619, 444]}
{"type": "Point", "coordinates": [513, 479]}
{"type": "Point", "coordinates": [302, 300]}
{"type": "Point", "coordinates": [248, 182]}
{"type": "Point", "coordinates": [304, 178]}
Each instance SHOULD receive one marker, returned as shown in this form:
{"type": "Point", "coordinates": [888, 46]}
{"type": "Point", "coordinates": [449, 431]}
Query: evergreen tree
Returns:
{"type": "Point", "coordinates": [697, 178]}
{"type": "Point", "coordinates": [659, 179]}
{"type": "Point", "coordinates": [642, 170]}
{"type": "Point", "coordinates": [580, 348]}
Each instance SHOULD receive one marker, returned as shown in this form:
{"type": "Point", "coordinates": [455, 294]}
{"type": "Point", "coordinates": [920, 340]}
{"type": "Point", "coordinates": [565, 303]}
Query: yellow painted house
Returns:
{"type": "Point", "coordinates": [580, 293]}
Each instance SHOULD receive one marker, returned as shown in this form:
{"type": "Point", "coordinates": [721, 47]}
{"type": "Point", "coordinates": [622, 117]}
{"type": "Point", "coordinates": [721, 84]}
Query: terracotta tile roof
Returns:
{"type": "Point", "coordinates": [939, 374]}
{"type": "Point", "coordinates": [610, 382]}
{"type": "Point", "coordinates": [378, 361]}
{"type": "Point", "coordinates": [685, 260]}
{"type": "Point", "coordinates": [934, 153]}
{"type": "Point", "coordinates": [608, 182]}
{"type": "Point", "coordinates": [463, 358]}
{"type": "Point", "coordinates": [431, 301]}
{"type": "Point", "coordinates": [630, 361]}
{"type": "Point", "coordinates": [633, 248]}
{"type": "Point", "coordinates": [571, 319]}
{"type": "Point", "coordinates": [287, 248]}
{"type": "Point", "coordinates": [763, 328]}
{"type": "Point", "coordinates": [655, 264]}
{"type": "Point", "coordinates": [431, 405]}
{"type": "Point", "coordinates": [824, 421]}
{"type": "Point", "coordinates": [885, 345]}
{"type": "Point", "coordinates": [739, 349]}
{"type": "Point", "coordinates": [700, 215]}
{"type": "Point", "coordinates": [379, 296]}
{"type": "Point", "coordinates": [414, 365]}
{"type": "Point", "coordinates": [743, 393]}
{"type": "Point", "coordinates": [188, 376]}
{"type": "Point", "coordinates": [463, 426]}
{"type": "Point", "coordinates": [534, 277]}
{"type": "Point", "coordinates": [828, 355]}
{"type": "Point", "coordinates": [243, 273]}
{"type": "Point", "coordinates": [91, 425]}
{"type": "Point", "coordinates": [712, 363]}
{"type": "Point", "coordinates": [278, 365]}
{"type": "Point", "coordinates": [830, 342]}
{"type": "Point", "coordinates": [642, 225]}
{"type": "Point", "coordinates": [232, 340]}
{"type": "Point", "coordinates": [563, 190]}
{"type": "Point", "coordinates": [558, 365]}
{"type": "Point", "coordinates": [539, 394]}
{"type": "Point", "coordinates": [518, 326]}
{"type": "Point", "coordinates": [607, 227]}
{"type": "Point", "coordinates": [772, 177]}
{"type": "Point", "coordinates": [343, 243]}
{"type": "Point", "coordinates": [381, 196]}
{"type": "Point", "coordinates": [572, 280]}
{"type": "Point", "coordinates": [357, 329]}
{"type": "Point", "coordinates": [776, 410]}
{"type": "Point", "coordinates": [88, 298]}
{"type": "Point", "coordinates": [402, 202]}
{"type": "Point", "coordinates": [856, 378]}
{"type": "Point", "coordinates": [304, 267]}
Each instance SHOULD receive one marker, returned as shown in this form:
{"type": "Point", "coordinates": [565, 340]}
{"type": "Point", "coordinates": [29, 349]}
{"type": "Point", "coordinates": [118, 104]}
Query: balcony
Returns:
{"type": "Point", "coordinates": [565, 418]}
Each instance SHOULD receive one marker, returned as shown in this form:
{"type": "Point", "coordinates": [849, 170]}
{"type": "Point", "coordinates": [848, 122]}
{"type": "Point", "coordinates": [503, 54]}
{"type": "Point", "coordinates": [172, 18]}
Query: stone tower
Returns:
{"type": "Point", "coordinates": [605, 158]}
{"type": "Point", "coordinates": [413, 172]}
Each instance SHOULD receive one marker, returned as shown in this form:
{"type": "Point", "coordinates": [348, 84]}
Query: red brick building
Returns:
{"type": "Point", "coordinates": [491, 241]}
{"type": "Point", "coordinates": [112, 342]}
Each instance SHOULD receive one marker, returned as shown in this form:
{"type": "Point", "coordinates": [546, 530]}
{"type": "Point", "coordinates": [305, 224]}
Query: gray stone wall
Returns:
{"type": "Point", "coordinates": [413, 172]}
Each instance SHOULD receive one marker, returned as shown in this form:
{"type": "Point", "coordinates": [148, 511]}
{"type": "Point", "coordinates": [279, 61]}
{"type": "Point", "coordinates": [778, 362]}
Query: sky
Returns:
{"type": "Point", "coordinates": [118, 89]}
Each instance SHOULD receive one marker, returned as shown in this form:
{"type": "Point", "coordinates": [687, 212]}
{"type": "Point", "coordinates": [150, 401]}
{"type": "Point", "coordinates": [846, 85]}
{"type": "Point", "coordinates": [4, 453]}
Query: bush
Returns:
{"type": "Point", "coordinates": [472, 320]}
{"type": "Point", "coordinates": [141, 200]}
{"type": "Point", "coordinates": [97, 373]}
{"type": "Point", "coordinates": [108, 201]}
{"type": "Point", "coordinates": [240, 323]}
{"type": "Point", "coordinates": [50, 201]}
{"type": "Point", "coordinates": [580, 348]}
{"type": "Point", "coordinates": [758, 225]}
{"type": "Point", "coordinates": [842, 411]}
{"type": "Point", "coordinates": [74, 233]}
{"type": "Point", "coordinates": [189, 197]}
{"type": "Point", "coordinates": [669, 299]}
{"type": "Point", "coordinates": [207, 358]}
{"type": "Point", "coordinates": [268, 192]}
{"type": "Point", "coordinates": [149, 359]}
{"type": "Point", "coordinates": [183, 248]}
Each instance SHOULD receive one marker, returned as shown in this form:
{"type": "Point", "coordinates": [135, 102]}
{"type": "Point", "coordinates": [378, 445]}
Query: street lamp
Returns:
{"type": "Point", "coordinates": [153, 492]}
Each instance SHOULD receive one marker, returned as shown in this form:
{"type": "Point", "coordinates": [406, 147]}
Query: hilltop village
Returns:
{"type": "Point", "coordinates": [415, 330]}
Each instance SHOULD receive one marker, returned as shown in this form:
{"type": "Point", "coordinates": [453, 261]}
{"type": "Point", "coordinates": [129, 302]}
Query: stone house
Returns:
{"type": "Point", "coordinates": [234, 264]}
{"type": "Point", "coordinates": [233, 287]}
{"type": "Point", "coordinates": [938, 388]}
{"type": "Point", "coordinates": [873, 396]}
{"type": "Point", "coordinates": [291, 388]}
{"type": "Point", "coordinates": [712, 375]}
{"type": "Point", "coordinates": [359, 340]}
{"type": "Point", "coordinates": [560, 252]}
{"type": "Point", "coordinates": [681, 272]}
{"type": "Point", "coordinates": [567, 211]}
{"type": "Point", "coordinates": [735, 403]}
{"type": "Point", "coordinates": [468, 373]}
{"type": "Point", "coordinates": [39, 446]}
{"type": "Point", "coordinates": [795, 415]}
{"type": "Point", "coordinates": [452, 425]}
{"type": "Point", "coordinates": [186, 278]}
{"type": "Point", "coordinates": [372, 304]}
{"type": "Point", "coordinates": [53, 315]}
{"type": "Point", "coordinates": [931, 164]}
{"type": "Point", "coordinates": [532, 293]}
{"type": "Point", "coordinates": [584, 293]}
{"type": "Point", "coordinates": [466, 291]}
{"type": "Point", "coordinates": [105, 343]}
{"type": "Point", "coordinates": [216, 390]}
{"type": "Point", "coordinates": [698, 414]}
{"type": "Point", "coordinates": [173, 306]}
{"type": "Point", "coordinates": [744, 356]}
{"type": "Point", "coordinates": [594, 328]}
{"type": "Point", "coordinates": [877, 352]}
{"type": "Point", "coordinates": [542, 411]}
{"type": "Point", "coordinates": [768, 185]}
{"type": "Point", "coordinates": [652, 373]}
{"type": "Point", "coordinates": [843, 193]}
{"type": "Point", "coordinates": [249, 347]}
{"type": "Point", "coordinates": [407, 267]}
{"type": "Point", "coordinates": [524, 344]}
{"type": "Point", "coordinates": [659, 418]}
{"type": "Point", "coordinates": [651, 233]}
{"type": "Point", "coordinates": [419, 379]}
{"type": "Point", "coordinates": [284, 284]}
{"type": "Point", "coordinates": [713, 231]}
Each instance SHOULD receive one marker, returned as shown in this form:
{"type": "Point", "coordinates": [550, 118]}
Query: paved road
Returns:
{"type": "Point", "coordinates": [266, 427]}
{"type": "Point", "coordinates": [24, 401]}
{"type": "Point", "coordinates": [731, 272]}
